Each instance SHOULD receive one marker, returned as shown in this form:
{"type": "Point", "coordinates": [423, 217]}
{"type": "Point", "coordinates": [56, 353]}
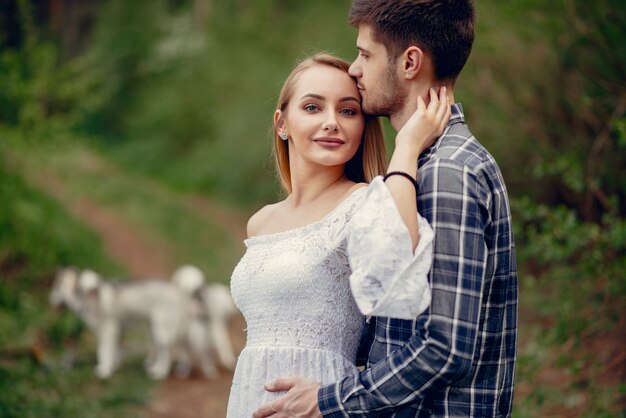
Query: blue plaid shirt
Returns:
{"type": "Point", "coordinates": [458, 358]}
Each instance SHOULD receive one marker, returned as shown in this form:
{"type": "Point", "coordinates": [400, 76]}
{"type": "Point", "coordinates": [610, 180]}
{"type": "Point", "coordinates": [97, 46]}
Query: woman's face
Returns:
{"type": "Point", "coordinates": [324, 119]}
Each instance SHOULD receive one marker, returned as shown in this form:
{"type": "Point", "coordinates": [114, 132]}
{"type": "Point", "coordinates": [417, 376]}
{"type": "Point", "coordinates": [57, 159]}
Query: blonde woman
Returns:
{"type": "Point", "coordinates": [336, 249]}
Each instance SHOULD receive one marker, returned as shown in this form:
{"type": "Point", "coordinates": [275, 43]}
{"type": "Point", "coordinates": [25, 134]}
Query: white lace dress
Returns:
{"type": "Point", "coordinates": [304, 292]}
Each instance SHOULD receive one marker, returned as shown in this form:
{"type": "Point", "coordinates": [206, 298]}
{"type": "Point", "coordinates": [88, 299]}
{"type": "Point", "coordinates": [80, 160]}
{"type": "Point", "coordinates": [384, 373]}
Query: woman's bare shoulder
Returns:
{"type": "Point", "coordinates": [260, 218]}
{"type": "Point", "coordinates": [354, 188]}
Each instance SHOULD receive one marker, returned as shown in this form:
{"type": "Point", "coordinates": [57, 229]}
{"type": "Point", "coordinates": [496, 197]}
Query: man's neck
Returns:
{"type": "Point", "coordinates": [410, 105]}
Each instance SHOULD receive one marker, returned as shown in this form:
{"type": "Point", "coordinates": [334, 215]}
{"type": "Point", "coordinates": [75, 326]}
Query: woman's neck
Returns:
{"type": "Point", "coordinates": [308, 184]}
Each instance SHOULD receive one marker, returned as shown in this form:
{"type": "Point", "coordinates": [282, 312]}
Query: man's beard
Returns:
{"type": "Point", "coordinates": [388, 98]}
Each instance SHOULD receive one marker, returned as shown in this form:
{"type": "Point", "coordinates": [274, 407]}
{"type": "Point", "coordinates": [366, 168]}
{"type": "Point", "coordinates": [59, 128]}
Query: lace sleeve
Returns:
{"type": "Point", "coordinates": [388, 278]}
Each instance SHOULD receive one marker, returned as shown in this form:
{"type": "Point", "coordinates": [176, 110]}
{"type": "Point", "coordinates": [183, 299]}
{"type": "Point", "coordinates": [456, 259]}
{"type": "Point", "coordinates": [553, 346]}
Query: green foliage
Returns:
{"type": "Point", "coordinates": [556, 104]}
{"type": "Point", "coordinates": [583, 262]}
{"type": "Point", "coordinates": [38, 91]}
{"type": "Point", "coordinates": [572, 291]}
{"type": "Point", "coordinates": [197, 98]}
{"type": "Point", "coordinates": [114, 69]}
{"type": "Point", "coordinates": [37, 236]}
{"type": "Point", "coordinates": [27, 219]}
{"type": "Point", "coordinates": [556, 86]}
{"type": "Point", "coordinates": [30, 390]}
{"type": "Point", "coordinates": [187, 98]}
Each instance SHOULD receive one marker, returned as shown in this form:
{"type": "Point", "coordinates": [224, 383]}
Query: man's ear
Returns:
{"type": "Point", "coordinates": [413, 62]}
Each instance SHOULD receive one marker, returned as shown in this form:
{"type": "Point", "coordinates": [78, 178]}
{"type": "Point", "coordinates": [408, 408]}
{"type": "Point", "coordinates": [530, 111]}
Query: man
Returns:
{"type": "Point", "coordinates": [458, 358]}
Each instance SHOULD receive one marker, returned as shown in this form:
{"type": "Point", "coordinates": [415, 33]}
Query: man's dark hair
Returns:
{"type": "Point", "coordinates": [443, 29]}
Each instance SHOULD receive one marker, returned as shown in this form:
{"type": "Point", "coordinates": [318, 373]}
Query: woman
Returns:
{"type": "Point", "coordinates": [335, 249]}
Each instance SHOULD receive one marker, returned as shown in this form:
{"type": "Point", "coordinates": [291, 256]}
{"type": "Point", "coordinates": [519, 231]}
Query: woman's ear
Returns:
{"type": "Point", "coordinates": [279, 120]}
{"type": "Point", "coordinates": [413, 61]}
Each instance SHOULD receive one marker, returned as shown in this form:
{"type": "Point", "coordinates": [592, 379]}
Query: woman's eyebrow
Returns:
{"type": "Point", "coordinates": [318, 97]}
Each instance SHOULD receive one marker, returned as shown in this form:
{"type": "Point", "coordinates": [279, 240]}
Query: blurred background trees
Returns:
{"type": "Point", "coordinates": [183, 92]}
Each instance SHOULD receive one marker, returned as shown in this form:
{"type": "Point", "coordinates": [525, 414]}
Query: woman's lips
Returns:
{"type": "Point", "coordinates": [329, 142]}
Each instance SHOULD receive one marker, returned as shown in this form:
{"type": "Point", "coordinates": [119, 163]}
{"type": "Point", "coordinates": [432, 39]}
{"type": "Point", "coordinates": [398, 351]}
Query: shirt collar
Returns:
{"type": "Point", "coordinates": [457, 116]}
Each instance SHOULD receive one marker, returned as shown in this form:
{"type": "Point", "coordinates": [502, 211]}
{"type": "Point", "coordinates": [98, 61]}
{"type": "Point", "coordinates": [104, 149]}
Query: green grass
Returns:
{"type": "Point", "coordinates": [159, 213]}
{"type": "Point", "coordinates": [570, 334]}
{"type": "Point", "coordinates": [30, 388]}
{"type": "Point", "coordinates": [37, 236]}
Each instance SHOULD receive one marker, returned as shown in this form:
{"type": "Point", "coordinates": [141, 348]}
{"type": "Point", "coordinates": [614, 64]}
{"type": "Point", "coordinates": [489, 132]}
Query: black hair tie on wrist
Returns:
{"type": "Point", "coordinates": [403, 174]}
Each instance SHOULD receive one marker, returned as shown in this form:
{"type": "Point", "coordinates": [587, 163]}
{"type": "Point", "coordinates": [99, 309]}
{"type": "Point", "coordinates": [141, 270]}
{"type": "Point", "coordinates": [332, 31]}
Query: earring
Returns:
{"type": "Point", "coordinates": [283, 135]}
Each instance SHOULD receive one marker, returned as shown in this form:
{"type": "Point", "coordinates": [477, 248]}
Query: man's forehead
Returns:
{"type": "Point", "coordinates": [365, 34]}
{"type": "Point", "coordinates": [366, 41]}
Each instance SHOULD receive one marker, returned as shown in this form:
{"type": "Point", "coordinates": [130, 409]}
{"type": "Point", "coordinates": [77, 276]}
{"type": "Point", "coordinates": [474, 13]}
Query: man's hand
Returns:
{"type": "Point", "coordinates": [299, 401]}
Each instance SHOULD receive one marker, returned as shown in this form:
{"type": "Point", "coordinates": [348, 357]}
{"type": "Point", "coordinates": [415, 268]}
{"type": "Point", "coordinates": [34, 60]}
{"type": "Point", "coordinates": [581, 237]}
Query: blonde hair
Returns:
{"type": "Point", "coordinates": [370, 158]}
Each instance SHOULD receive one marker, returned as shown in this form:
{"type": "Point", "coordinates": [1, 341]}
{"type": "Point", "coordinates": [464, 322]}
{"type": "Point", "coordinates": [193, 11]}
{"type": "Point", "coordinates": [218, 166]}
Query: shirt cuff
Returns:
{"type": "Point", "coordinates": [329, 401]}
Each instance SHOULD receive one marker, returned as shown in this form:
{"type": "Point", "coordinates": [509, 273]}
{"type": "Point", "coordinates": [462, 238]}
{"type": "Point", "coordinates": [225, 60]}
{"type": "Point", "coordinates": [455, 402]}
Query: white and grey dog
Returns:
{"type": "Point", "coordinates": [212, 310]}
{"type": "Point", "coordinates": [106, 307]}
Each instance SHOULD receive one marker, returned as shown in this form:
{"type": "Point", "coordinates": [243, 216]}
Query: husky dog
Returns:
{"type": "Point", "coordinates": [213, 308]}
{"type": "Point", "coordinates": [106, 307]}
{"type": "Point", "coordinates": [64, 290]}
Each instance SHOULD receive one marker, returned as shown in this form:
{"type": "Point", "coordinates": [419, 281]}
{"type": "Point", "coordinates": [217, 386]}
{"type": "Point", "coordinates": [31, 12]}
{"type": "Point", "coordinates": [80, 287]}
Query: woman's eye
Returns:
{"type": "Point", "coordinates": [311, 108]}
{"type": "Point", "coordinates": [348, 111]}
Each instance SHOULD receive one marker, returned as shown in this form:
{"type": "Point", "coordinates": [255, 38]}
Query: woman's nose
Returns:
{"type": "Point", "coordinates": [331, 123]}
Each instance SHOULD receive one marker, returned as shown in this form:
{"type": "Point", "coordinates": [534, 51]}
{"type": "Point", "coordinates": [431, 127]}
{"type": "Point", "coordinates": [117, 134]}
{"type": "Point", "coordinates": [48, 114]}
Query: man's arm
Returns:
{"type": "Point", "coordinates": [452, 198]}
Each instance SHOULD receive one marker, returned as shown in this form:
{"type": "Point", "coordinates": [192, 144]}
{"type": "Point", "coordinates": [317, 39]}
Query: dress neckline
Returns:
{"type": "Point", "coordinates": [293, 231]}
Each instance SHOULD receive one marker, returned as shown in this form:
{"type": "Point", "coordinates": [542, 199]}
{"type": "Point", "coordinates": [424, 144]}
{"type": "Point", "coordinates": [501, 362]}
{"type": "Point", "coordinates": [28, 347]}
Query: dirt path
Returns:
{"type": "Point", "coordinates": [145, 255]}
{"type": "Point", "coordinates": [197, 397]}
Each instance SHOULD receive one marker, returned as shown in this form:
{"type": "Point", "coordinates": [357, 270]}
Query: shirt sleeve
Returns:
{"type": "Point", "coordinates": [452, 197]}
{"type": "Point", "coordinates": [388, 278]}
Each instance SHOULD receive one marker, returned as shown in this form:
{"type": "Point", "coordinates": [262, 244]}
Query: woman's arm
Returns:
{"type": "Point", "coordinates": [417, 134]}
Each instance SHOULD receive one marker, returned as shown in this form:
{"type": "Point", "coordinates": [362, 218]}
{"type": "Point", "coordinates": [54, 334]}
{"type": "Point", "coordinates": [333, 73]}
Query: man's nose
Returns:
{"type": "Point", "coordinates": [355, 70]}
